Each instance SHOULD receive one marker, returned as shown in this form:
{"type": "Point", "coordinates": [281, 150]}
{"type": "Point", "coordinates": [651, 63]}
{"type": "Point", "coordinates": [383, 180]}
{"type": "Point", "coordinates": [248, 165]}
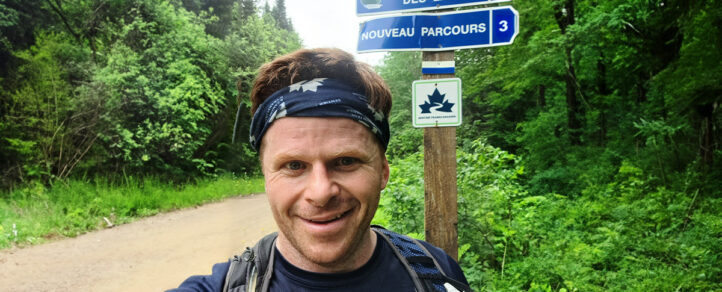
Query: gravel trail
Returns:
{"type": "Point", "coordinates": [152, 254]}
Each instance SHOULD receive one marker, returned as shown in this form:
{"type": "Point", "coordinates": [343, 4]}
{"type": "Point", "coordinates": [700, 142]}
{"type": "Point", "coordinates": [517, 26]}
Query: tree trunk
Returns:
{"type": "Point", "coordinates": [602, 76]}
{"type": "Point", "coordinates": [603, 90]}
{"type": "Point", "coordinates": [542, 99]}
{"type": "Point", "coordinates": [707, 145]}
{"type": "Point", "coordinates": [565, 17]}
{"type": "Point", "coordinates": [641, 90]}
{"type": "Point", "coordinates": [574, 111]}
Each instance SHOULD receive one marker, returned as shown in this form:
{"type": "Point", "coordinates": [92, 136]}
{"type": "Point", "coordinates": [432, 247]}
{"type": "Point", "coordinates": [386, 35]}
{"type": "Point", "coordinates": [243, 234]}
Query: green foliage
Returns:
{"type": "Point", "coordinates": [609, 179]}
{"type": "Point", "coordinates": [487, 182]}
{"type": "Point", "coordinates": [18, 21]}
{"type": "Point", "coordinates": [8, 18]}
{"type": "Point", "coordinates": [279, 15]}
{"type": "Point", "coordinates": [399, 70]}
{"type": "Point", "coordinates": [143, 87]}
{"type": "Point", "coordinates": [622, 235]}
{"type": "Point", "coordinates": [73, 207]}
{"type": "Point", "coordinates": [160, 94]}
{"type": "Point", "coordinates": [254, 41]}
{"type": "Point", "coordinates": [624, 55]}
{"type": "Point", "coordinates": [589, 153]}
{"type": "Point", "coordinates": [140, 86]}
{"type": "Point", "coordinates": [401, 207]}
{"type": "Point", "coordinates": [45, 121]}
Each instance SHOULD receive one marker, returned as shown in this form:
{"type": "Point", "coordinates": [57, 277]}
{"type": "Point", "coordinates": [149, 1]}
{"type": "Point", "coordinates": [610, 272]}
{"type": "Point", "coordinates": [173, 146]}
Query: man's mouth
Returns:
{"type": "Point", "coordinates": [329, 219]}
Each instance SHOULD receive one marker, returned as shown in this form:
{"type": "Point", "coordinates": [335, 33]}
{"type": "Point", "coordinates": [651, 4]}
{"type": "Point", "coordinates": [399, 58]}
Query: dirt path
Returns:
{"type": "Point", "coordinates": [152, 254]}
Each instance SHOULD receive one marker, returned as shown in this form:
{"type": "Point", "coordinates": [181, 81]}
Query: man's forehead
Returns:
{"type": "Point", "coordinates": [298, 127]}
{"type": "Point", "coordinates": [290, 133]}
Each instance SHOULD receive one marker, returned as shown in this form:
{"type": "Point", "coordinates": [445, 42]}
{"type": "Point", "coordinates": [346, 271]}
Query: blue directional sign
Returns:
{"type": "Point", "coordinates": [372, 7]}
{"type": "Point", "coordinates": [440, 31]}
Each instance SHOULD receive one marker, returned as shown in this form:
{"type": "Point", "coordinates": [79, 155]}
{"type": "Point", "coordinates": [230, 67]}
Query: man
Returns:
{"type": "Point", "coordinates": [320, 128]}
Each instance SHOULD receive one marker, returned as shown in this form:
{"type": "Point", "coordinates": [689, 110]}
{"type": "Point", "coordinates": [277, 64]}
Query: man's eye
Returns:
{"type": "Point", "coordinates": [294, 165]}
{"type": "Point", "coordinates": [347, 161]}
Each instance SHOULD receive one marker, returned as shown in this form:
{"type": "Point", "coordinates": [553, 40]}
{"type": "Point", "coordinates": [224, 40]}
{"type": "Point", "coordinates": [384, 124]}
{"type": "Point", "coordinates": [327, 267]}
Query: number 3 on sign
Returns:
{"type": "Point", "coordinates": [504, 26]}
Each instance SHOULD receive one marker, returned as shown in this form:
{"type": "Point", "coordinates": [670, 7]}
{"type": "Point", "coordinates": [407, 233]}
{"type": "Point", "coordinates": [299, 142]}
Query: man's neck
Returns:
{"type": "Point", "coordinates": [358, 254]}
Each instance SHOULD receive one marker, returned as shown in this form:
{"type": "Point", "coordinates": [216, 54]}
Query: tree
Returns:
{"type": "Point", "coordinates": [49, 128]}
{"type": "Point", "coordinates": [279, 14]}
{"type": "Point", "coordinates": [261, 41]}
{"type": "Point", "coordinates": [19, 21]}
{"type": "Point", "coordinates": [689, 85]}
{"type": "Point", "coordinates": [246, 8]}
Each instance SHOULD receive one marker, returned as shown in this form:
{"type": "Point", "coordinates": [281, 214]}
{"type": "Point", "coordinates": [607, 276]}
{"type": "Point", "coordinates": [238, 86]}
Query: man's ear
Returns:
{"type": "Point", "coordinates": [385, 172]}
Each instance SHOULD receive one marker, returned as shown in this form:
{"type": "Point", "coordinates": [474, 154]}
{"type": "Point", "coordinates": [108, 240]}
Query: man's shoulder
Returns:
{"type": "Point", "coordinates": [206, 283]}
{"type": "Point", "coordinates": [405, 242]}
{"type": "Point", "coordinates": [409, 248]}
{"type": "Point", "coordinates": [401, 244]}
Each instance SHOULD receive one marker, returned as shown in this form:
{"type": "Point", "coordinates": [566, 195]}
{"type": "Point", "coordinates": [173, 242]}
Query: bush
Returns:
{"type": "Point", "coordinates": [627, 234]}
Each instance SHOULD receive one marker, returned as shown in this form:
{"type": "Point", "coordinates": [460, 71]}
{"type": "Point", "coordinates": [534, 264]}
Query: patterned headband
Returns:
{"type": "Point", "coordinates": [320, 97]}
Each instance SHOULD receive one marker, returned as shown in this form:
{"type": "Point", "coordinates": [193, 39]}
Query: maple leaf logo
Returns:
{"type": "Point", "coordinates": [307, 85]}
{"type": "Point", "coordinates": [437, 102]}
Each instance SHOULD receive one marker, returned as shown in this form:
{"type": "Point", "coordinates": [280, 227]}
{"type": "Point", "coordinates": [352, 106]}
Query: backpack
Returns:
{"type": "Point", "coordinates": [252, 270]}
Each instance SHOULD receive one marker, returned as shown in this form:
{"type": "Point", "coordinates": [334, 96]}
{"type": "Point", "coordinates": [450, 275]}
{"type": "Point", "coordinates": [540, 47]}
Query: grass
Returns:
{"type": "Point", "coordinates": [36, 213]}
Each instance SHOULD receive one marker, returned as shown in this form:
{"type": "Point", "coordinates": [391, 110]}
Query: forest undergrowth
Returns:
{"type": "Point", "coordinates": [623, 235]}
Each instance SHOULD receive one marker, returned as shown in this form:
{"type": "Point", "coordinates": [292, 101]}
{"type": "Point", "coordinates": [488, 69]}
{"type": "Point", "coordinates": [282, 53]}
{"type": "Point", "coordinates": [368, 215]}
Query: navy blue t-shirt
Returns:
{"type": "Point", "coordinates": [383, 272]}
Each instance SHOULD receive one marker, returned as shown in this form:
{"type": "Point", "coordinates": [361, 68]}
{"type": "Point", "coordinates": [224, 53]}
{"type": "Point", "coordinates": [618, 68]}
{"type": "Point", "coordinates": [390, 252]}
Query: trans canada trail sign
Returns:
{"type": "Point", "coordinates": [372, 7]}
{"type": "Point", "coordinates": [440, 31]}
{"type": "Point", "coordinates": [436, 102]}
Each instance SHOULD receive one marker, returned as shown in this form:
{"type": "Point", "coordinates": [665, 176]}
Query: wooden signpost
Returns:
{"type": "Point", "coordinates": [440, 208]}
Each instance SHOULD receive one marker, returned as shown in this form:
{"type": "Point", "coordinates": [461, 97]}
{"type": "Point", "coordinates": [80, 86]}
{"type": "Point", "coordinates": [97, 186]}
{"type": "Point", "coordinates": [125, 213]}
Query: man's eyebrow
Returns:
{"type": "Point", "coordinates": [342, 152]}
{"type": "Point", "coordinates": [351, 152]}
{"type": "Point", "coordinates": [288, 155]}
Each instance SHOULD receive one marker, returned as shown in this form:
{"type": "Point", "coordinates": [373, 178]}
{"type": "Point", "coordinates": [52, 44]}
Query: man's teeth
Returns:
{"type": "Point", "coordinates": [332, 219]}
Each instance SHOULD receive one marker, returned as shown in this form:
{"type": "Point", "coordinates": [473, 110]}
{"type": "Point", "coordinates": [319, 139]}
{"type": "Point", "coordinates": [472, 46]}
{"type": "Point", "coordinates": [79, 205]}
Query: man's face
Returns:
{"type": "Point", "coordinates": [323, 180]}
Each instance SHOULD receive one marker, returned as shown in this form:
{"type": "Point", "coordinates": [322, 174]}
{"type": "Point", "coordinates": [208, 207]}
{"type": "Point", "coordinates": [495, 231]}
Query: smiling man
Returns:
{"type": "Point", "coordinates": [323, 179]}
{"type": "Point", "coordinates": [320, 126]}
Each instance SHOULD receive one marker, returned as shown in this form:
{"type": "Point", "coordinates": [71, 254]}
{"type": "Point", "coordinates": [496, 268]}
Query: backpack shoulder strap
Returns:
{"type": "Point", "coordinates": [251, 271]}
{"type": "Point", "coordinates": [424, 269]}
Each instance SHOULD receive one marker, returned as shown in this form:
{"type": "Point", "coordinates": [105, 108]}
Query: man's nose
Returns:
{"type": "Point", "coordinates": [322, 187]}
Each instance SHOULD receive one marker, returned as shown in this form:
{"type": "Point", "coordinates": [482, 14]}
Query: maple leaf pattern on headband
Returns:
{"type": "Point", "coordinates": [310, 85]}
